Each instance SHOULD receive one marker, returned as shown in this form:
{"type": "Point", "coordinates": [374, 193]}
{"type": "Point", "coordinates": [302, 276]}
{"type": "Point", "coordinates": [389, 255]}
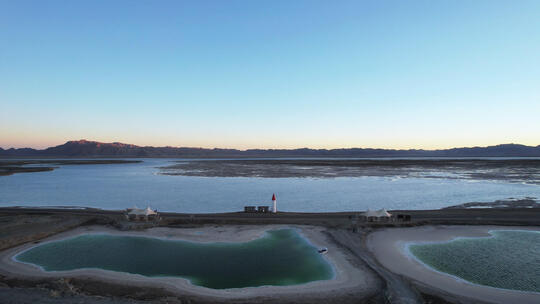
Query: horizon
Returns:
{"type": "Point", "coordinates": [297, 148]}
{"type": "Point", "coordinates": [270, 75]}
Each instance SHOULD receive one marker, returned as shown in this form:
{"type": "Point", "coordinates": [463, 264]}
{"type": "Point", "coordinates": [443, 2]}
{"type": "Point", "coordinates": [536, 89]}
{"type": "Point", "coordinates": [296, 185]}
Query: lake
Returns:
{"type": "Point", "coordinates": [118, 186]}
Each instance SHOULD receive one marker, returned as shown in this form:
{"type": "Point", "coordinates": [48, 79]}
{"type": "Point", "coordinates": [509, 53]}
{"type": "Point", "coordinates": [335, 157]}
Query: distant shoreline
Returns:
{"type": "Point", "coordinates": [8, 167]}
{"type": "Point", "coordinates": [512, 170]}
{"type": "Point", "coordinates": [86, 148]}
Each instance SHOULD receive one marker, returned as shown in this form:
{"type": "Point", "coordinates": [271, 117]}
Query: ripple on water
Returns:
{"type": "Point", "coordinates": [508, 259]}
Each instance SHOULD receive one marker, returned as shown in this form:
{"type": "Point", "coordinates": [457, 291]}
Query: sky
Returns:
{"type": "Point", "coordinates": [270, 73]}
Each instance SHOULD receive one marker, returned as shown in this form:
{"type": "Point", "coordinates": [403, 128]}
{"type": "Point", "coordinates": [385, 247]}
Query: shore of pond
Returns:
{"type": "Point", "coordinates": [349, 281]}
{"type": "Point", "coordinates": [337, 231]}
{"type": "Point", "coordinates": [390, 248]}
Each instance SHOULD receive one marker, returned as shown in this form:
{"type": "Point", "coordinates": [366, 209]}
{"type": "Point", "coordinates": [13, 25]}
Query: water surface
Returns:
{"type": "Point", "coordinates": [281, 257]}
{"type": "Point", "coordinates": [508, 259]}
{"type": "Point", "coordinates": [127, 185]}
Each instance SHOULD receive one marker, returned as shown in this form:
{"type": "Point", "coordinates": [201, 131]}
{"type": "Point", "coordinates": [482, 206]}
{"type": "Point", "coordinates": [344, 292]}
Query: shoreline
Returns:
{"type": "Point", "coordinates": [391, 249]}
{"type": "Point", "coordinates": [375, 282]}
{"type": "Point", "coordinates": [345, 277]}
{"type": "Point", "coordinates": [452, 168]}
{"type": "Point", "coordinates": [14, 166]}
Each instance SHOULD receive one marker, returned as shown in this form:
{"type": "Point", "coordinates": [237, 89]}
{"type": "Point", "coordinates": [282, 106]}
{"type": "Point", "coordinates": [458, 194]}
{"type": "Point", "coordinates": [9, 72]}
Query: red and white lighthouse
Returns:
{"type": "Point", "coordinates": [274, 210]}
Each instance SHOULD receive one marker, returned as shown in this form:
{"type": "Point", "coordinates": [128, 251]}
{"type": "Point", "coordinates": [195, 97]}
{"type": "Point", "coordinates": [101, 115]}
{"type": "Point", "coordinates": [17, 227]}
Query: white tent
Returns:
{"type": "Point", "coordinates": [149, 211]}
{"type": "Point", "coordinates": [136, 212]}
{"type": "Point", "coordinates": [383, 213]}
{"type": "Point", "coordinates": [372, 215]}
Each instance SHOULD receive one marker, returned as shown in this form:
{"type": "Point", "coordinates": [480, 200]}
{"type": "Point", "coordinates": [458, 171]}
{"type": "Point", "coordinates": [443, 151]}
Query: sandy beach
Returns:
{"type": "Point", "coordinates": [389, 247]}
{"type": "Point", "coordinates": [348, 279]}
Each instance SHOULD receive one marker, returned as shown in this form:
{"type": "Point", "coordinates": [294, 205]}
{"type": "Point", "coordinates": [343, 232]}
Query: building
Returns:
{"type": "Point", "coordinates": [263, 209]}
{"type": "Point", "coordinates": [250, 209]}
{"type": "Point", "coordinates": [403, 217]}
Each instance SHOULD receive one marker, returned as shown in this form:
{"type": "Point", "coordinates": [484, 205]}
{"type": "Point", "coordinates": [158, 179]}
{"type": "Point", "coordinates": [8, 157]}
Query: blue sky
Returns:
{"type": "Point", "coordinates": [270, 74]}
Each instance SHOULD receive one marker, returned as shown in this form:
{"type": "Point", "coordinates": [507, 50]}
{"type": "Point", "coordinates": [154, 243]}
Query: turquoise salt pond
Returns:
{"type": "Point", "coordinates": [508, 259]}
{"type": "Point", "coordinates": [281, 257]}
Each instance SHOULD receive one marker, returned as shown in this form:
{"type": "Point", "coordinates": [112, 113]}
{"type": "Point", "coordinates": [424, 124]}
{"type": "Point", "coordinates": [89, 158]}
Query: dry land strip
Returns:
{"type": "Point", "coordinates": [363, 277]}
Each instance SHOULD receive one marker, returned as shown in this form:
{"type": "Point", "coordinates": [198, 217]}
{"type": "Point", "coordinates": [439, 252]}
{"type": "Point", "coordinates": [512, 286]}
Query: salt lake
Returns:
{"type": "Point", "coordinates": [118, 186]}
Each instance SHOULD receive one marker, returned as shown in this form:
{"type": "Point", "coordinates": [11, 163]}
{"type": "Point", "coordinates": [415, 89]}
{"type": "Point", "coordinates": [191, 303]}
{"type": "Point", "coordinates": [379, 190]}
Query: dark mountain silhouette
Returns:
{"type": "Point", "coordinates": [85, 148]}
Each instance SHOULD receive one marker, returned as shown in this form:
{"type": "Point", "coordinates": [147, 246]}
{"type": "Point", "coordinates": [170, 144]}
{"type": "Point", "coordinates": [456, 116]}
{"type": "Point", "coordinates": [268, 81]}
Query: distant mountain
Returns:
{"type": "Point", "coordinates": [89, 149]}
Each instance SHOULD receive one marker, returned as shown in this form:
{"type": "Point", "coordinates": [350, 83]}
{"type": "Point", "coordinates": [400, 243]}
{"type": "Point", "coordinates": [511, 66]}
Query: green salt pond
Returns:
{"type": "Point", "coordinates": [509, 259]}
{"type": "Point", "coordinates": [281, 257]}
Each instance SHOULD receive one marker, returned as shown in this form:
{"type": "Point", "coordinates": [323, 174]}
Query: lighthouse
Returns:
{"type": "Point", "coordinates": [274, 210]}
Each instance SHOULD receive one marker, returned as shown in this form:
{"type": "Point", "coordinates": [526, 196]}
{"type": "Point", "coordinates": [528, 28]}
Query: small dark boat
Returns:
{"type": "Point", "coordinates": [323, 250]}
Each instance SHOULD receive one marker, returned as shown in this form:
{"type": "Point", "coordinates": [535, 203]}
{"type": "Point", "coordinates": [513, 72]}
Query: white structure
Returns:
{"type": "Point", "coordinates": [138, 214]}
{"type": "Point", "coordinates": [274, 210]}
{"type": "Point", "coordinates": [384, 213]}
{"type": "Point", "coordinates": [377, 216]}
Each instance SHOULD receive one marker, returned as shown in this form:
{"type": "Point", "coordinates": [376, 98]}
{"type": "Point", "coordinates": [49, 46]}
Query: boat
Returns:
{"type": "Point", "coordinates": [323, 250]}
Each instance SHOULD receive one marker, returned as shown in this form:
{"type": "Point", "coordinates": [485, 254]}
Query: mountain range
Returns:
{"type": "Point", "coordinates": [84, 148]}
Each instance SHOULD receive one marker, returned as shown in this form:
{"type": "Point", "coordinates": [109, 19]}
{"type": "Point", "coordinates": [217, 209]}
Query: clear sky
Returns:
{"type": "Point", "coordinates": [270, 74]}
